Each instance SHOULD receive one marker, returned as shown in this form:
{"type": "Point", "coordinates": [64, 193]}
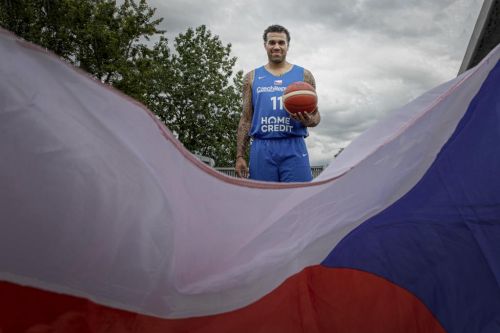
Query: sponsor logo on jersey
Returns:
{"type": "Point", "coordinates": [270, 89]}
{"type": "Point", "coordinates": [275, 124]}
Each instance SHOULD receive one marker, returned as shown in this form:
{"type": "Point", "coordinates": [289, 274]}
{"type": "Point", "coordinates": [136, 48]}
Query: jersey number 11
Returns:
{"type": "Point", "coordinates": [275, 100]}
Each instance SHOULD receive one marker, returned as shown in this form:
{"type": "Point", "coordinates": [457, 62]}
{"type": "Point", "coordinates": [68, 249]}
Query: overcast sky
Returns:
{"type": "Point", "coordinates": [368, 56]}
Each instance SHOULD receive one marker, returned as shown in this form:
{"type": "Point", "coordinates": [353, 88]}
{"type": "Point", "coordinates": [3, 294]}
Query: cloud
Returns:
{"type": "Point", "coordinates": [368, 57]}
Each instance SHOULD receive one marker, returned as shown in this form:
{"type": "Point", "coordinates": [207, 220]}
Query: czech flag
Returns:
{"type": "Point", "coordinates": [108, 224]}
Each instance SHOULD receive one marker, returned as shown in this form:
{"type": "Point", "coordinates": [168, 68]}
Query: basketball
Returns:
{"type": "Point", "coordinates": [300, 97]}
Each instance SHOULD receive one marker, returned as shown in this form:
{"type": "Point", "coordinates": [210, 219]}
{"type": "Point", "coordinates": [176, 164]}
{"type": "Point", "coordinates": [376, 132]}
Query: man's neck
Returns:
{"type": "Point", "coordinates": [278, 69]}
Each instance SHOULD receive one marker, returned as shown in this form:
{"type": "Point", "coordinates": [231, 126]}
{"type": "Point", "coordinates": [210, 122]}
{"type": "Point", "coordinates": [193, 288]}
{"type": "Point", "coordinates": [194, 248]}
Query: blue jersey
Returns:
{"type": "Point", "coordinates": [270, 120]}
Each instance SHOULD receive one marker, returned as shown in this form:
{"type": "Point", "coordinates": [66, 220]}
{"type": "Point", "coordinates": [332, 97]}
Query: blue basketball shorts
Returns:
{"type": "Point", "coordinates": [280, 160]}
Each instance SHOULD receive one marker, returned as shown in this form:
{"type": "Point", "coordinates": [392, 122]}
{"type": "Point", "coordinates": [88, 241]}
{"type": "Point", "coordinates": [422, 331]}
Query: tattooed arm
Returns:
{"type": "Point", "coordinates": [309, 119]}
{"type": "Point", "coordinates": [243, 137]}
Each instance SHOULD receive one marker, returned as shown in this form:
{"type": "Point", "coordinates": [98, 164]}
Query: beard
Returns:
{"type": "Point", "coordinates": [276, 59]}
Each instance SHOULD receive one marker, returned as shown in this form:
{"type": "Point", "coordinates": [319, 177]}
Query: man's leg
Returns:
{"type": "Point", "coordinates": [294, 162]}
{"type": "Point", "coordinates": [262, 166]}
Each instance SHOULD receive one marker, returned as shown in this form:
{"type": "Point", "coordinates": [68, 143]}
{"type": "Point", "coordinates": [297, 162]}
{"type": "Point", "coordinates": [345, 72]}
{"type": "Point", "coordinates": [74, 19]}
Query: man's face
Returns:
{"type": "Point", "coordinates": [276, 47]}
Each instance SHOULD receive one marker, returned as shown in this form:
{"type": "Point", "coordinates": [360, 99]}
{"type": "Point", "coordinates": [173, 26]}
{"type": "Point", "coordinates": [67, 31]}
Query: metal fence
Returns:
{"type": "Point", "coordinates": [316, 170]}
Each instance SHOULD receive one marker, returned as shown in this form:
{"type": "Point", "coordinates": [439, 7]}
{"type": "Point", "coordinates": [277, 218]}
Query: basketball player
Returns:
{"type": "Point", "coordinates": [278, 151]}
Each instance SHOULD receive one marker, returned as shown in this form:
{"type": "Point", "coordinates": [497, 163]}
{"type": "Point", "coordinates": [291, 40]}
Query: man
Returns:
{"type": "Point", "coordinates": [278, 151]}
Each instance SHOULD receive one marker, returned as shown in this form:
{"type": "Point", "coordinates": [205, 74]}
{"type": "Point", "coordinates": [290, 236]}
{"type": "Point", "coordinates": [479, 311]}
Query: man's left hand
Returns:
{"type": "Point", "coordinates": [304, 117]}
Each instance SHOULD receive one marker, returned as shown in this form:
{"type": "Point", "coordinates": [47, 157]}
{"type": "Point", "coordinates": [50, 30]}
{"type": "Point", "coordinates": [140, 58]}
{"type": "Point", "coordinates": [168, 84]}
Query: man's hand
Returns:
{"type": "Point", "coordinates": [306, 118]}
{"type": "Point", "coordinates": [241, 167]}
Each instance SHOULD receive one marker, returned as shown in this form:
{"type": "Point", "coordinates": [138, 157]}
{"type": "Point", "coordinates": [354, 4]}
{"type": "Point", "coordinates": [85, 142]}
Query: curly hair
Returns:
{"type": "Point", "coordinates": [276, 28]}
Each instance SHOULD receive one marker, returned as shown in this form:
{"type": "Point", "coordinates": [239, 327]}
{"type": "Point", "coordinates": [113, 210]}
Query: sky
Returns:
{"type": "Point", "coordinates": [368, 57]}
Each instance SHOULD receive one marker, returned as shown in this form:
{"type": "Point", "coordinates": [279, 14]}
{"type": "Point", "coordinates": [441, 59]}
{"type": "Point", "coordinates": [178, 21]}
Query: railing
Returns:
{"type": "Point", "coordinates": [228, 171]}
{"type": "Point", "coordinates": [316, 170]}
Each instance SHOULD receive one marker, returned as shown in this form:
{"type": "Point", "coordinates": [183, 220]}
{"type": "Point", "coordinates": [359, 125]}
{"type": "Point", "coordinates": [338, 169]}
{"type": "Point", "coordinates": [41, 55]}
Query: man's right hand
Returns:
{"type": "Point", "coordinates": [241, 167]}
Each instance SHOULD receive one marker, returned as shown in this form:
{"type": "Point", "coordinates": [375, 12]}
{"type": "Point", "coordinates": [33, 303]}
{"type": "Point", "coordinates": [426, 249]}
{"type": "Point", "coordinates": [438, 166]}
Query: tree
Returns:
{"type": "Point", "coordinates": [204, 105]}
{"type": "Point", "coordinates": [95, 35]}
{"type": "Point", "coordinates": [191, 91]}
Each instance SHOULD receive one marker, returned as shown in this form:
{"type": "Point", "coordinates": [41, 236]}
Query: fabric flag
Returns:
{"type": "Point", "coordinates": [109, 225]}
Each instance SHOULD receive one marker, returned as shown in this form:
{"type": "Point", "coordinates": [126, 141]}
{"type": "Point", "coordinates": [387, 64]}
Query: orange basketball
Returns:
{"type": "Point", "coordinates": [300, 97]}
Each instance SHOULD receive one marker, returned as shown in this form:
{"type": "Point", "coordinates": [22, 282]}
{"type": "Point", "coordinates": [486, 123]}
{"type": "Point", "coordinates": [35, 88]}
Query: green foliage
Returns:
{"type": "Point", "coordinates": [205, 103]}
{"type": "Point", "coordinates": [194, 91]}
